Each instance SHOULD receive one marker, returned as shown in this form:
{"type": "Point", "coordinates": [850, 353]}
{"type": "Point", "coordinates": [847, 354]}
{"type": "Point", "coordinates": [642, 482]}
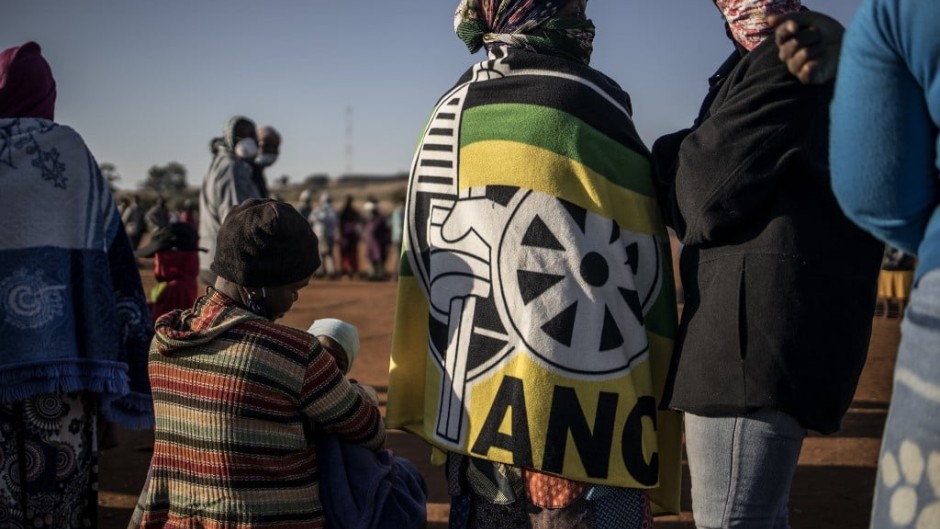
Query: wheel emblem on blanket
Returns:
{"type": "Point", "coordinates": [575, 286]}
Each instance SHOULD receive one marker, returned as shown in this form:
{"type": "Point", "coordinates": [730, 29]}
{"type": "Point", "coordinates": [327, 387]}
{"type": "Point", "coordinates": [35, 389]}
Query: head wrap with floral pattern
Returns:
{"type": "Point", "coordinates": [528, 24]}
{"type": "Point", "coordinates": [748, 18]}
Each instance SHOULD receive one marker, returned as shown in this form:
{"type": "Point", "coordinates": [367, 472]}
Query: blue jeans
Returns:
{"type": "Point", "coordinates": [742, 468]}
{"type": "Point", "coordinates": [907, 493]}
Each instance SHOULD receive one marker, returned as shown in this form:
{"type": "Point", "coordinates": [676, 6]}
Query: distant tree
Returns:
{"type": "Point", "coordinates": [169, 179]}
{"type": "Point", "coordinates": [110, 173]}
{"type": "Point", "coordinates": [317, 180]}
{"type": "Point", "coordinates": [282, 180]}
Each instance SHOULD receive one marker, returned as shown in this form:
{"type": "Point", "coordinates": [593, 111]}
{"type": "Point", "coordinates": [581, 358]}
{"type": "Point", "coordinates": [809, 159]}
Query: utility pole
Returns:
{"type": "Point", "coordinates": [349, 140]}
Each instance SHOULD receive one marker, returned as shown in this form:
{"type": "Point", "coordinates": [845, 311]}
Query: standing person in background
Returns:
{"type": "Point", "coordinates": [536, 312]}
{"type": "Point", "coordinates": [228, 183]}
{"type": "Point", "coordinates": [157, 216]}
{"type": "Point", "coordinates": [269, 147]}
{"type": "Point", "coordinates": [779, 285]}
{"type": "Point", "coordinates": [886, 175]}
{"type": "Point", "coordinates": [175, 252]}
{"type": "Point", "coordinates": [305, 208]}
{"type": "Point", "coordinates": [175, 216]}
{"type": "Point", "coordinates": [895, 282]}
{"type": "Point", "coordinates": [324, 225]}
{"type": "Point", "coordinates": [377, 238]}
{"type": "Point", "coordinates": [189, 214]}
{"type": "Point", "coordinates": [215, 145]}
{"type": "Point", "coordinates": [73, 320]}
{"type": "Point", "coordinates": [397, 222]}
{"type": "Point", "coordinates": [350, 229]}
{"type": "Point", "coordinates": [134, 223]}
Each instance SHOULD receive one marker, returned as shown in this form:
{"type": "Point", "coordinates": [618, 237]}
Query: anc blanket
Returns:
{"type": "Point", "coordinates": [536, 311]}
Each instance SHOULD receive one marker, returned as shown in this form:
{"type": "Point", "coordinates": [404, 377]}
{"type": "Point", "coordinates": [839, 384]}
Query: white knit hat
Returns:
{"type": "Point", "coordinates": [343, 333]}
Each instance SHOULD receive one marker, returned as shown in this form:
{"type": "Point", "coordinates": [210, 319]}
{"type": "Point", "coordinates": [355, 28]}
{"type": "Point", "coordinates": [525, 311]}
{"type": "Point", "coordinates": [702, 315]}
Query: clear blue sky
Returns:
{"type": "Point", "coordinates": [146, 83]}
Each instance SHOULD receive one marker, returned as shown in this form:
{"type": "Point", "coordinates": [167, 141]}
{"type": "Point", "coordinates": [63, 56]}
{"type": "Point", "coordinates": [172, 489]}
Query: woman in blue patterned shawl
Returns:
{"type": "Point", "coordinates": [74, 329]}
{"type": "Point", "coordinates": [534, 246]}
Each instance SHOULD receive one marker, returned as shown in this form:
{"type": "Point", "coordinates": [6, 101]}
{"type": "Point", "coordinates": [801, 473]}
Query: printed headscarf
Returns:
{"type": "Point", "coordinates": [27, 88]}
{"type": "Point", "coordinates": [748, 18]}
{"type": "Point", "coordinates": [528, 24]}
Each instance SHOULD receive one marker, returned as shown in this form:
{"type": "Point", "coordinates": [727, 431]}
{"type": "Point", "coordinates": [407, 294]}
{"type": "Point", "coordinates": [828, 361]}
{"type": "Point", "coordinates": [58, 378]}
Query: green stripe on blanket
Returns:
{"type": "Point", "coordinates": [573, 139]}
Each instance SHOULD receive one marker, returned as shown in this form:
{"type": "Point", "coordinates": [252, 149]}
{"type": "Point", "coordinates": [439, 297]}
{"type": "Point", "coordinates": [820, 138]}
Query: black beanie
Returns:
{"type": "Point", "coordinates": [265, 243]}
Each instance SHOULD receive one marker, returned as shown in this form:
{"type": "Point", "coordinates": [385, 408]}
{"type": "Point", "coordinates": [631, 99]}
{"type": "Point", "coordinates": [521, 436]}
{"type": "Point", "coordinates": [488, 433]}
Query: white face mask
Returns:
{"type": "Point", "coordinates": [265, 159]}
{"type": "Point", "coordinates": [246, 149]}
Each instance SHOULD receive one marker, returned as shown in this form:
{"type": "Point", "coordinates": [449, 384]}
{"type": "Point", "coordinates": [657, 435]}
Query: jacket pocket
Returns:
{"type": "Point", "coordinates": [742, 312]}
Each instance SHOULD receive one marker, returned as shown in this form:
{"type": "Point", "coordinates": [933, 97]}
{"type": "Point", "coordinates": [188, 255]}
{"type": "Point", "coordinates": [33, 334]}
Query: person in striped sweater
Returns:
{"type": "Point", "coordinates": [239, 398]}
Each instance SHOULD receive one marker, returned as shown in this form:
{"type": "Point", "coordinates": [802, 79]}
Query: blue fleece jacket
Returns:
{"type": "Point", "coordinates": [885, 116]}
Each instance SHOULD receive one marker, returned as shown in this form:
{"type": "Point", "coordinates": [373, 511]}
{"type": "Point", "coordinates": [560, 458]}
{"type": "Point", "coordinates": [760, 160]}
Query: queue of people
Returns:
{"type": "Point", "coordinates": [537, 344]}
{"type": "Point", "coordinates": [138, 222]}
{"type": "Point", "coordinates": [353, 234]}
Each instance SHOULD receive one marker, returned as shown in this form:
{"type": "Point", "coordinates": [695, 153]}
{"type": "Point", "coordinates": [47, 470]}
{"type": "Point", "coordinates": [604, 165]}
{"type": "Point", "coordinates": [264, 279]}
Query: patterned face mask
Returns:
{"type": "Point", "coordinates": [528, 24]}
{"type": "Point", "coordinates": [748, 18]}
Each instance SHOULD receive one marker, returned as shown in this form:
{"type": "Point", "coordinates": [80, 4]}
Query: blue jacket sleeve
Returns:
{"type": "Point", "coordinates": [884, 142]}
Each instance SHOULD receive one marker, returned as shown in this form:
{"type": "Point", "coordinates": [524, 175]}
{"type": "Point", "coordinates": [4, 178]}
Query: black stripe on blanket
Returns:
{"type": "Point", "coordinates": [592, 108]}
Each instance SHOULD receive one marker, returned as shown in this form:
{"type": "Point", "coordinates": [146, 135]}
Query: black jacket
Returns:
{"type": "Point", "coordinates": [779, 285]}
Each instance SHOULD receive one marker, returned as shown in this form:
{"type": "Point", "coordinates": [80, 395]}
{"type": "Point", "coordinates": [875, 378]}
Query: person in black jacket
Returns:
{"type": "Point", "coordinates": [779, 285]}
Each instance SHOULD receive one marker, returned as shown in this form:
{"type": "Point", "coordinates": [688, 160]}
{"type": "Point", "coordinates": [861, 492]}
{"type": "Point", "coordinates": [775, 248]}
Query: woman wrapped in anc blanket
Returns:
{"type": "Point", "coordinates": [536, 310]}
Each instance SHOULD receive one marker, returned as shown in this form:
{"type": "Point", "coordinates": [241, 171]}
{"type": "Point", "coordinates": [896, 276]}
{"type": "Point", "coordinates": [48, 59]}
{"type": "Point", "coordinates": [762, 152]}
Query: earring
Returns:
{"type": "Point", "coordinates": [255, 307]}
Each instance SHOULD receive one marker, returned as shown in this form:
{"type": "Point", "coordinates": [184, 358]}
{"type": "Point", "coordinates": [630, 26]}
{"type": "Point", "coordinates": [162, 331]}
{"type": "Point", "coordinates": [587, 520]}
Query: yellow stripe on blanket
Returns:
{"type": "Point", "coordinates": [508, 163]}
{"type": "Point", "coordinates": [408, 366]}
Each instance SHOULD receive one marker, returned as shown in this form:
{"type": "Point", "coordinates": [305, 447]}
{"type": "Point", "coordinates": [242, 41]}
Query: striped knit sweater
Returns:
{"type": "Point", "coordinates": [237, 399]}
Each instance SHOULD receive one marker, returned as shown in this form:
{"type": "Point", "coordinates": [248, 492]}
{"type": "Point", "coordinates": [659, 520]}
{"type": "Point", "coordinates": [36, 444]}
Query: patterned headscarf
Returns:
{"type": "Point", "coordinates": [27, 88]}
{"type": "Point", "coordinates": [748, 18]}
{"type": "Point", "coordinates": [528, 24]}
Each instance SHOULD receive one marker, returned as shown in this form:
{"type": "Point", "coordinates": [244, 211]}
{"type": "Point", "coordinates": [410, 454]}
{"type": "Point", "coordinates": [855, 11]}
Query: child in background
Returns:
{"type": "Point", "coordinates": [175, 249]}
{"type": "Point", "coordinates": [359, 487]}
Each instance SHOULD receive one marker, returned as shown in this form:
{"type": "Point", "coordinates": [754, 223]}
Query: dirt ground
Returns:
{"type": "Point", "coordinates": [832, 489]}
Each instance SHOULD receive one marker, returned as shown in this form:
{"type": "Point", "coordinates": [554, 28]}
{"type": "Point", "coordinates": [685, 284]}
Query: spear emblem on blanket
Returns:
{"type": "Point", "coordinates": [461, 257]}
